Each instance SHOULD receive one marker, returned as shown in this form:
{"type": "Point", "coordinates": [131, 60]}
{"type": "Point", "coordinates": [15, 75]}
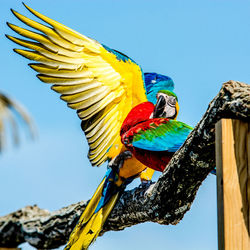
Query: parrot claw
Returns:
{"type": "Point", "coordinates": [126, 154]}
{"type": "Point", "coordinates": [118, 161]}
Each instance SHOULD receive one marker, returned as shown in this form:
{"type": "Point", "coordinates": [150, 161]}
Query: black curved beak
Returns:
{"type": "Point", "coordinates": [159, 107]}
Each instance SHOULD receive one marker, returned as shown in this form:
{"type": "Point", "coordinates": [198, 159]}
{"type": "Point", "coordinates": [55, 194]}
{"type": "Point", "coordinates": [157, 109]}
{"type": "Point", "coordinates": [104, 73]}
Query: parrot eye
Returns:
{"type": "Point", "coordinates": [171, 101]}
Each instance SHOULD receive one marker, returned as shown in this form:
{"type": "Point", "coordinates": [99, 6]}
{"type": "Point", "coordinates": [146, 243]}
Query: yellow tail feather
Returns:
{"type": "Point", "coordinates": [89, 232]}
{"type": "Point", "coordinates": [89, 210]}
{"type": "Point", "coordinates": [86, 215]}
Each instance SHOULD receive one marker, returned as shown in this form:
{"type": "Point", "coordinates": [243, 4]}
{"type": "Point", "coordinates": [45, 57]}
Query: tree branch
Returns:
{"type": "Point", "coordinates": [164, 202]}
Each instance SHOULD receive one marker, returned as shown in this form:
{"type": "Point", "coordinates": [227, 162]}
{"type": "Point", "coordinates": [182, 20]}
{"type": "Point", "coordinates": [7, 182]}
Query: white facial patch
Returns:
{"type": "Point", "coordinates": [169, 110]}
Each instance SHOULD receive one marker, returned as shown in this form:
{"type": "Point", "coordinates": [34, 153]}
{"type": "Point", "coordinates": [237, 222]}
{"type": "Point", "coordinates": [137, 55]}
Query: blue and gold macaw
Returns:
{"type": "Point", "coordinates": [103, 85]}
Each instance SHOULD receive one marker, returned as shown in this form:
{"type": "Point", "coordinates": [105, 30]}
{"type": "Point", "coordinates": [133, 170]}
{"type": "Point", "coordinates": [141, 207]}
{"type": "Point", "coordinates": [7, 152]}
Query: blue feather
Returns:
{"type": "Point", "coordinates": [154, 83]}
{"type": "Point", "coordinates": [119, 55]}
{"type": "Point", "coordinates": [169, 138]}
{"type": "Point", "coordinates": [109, 188]}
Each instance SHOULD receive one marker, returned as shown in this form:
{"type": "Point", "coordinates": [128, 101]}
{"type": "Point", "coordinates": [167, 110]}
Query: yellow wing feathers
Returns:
{"type": "Point", "coordinates": [91, 79]}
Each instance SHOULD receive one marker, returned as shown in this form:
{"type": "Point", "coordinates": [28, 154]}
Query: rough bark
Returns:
{"type": "Point", "coordinates": [164, 202]}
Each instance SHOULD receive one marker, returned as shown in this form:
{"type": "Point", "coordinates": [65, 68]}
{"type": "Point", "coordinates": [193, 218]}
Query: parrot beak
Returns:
{"type": "Point", "coordinates": [159, 107]}
{"type": "Point", "coordinates": [165, 108]}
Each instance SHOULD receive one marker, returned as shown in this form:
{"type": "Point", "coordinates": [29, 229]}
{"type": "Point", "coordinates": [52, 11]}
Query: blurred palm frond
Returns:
{"type": "Point", "coordinates": [10, 111]}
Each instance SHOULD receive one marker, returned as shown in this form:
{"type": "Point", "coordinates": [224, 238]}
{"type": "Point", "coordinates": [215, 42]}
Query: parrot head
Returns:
{"type": "Point", "coordinates": [154, 83]}
{"type": "Point", "coordinates": [166, 105]}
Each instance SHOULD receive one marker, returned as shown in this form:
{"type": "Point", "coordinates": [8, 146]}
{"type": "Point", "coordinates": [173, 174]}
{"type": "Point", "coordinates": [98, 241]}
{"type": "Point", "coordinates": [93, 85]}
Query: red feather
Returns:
{"type": "Point", "coordinates": [156, 160]}
{"type": "Point", "coordinates": [138, 114]}
{"type": "Point", "coordinates": [132, 125]}
{"type": "Point", "coordinates": [127, 137]}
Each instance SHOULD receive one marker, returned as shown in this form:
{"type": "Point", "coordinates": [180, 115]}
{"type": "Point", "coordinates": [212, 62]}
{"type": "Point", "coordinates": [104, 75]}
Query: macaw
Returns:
{"type": "Point", "coordinates": [151, 132]}
{"type": "Point", "coordinates": [103, 85]}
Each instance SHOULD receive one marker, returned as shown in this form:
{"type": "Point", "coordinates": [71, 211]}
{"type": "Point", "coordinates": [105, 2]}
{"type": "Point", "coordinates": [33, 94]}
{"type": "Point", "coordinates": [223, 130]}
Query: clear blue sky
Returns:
{"type": "Point", "coordinates": [200, 44]}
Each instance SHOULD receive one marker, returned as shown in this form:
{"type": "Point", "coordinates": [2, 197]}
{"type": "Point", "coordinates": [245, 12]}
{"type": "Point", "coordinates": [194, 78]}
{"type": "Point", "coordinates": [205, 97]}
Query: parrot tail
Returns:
{"type": "Point", "coordinates": [96, 213]}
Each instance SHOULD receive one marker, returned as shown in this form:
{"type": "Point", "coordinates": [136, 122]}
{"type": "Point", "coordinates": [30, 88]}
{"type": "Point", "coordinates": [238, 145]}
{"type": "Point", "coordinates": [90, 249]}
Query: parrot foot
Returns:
{"type": "Point", "coordinates": [118, 161]}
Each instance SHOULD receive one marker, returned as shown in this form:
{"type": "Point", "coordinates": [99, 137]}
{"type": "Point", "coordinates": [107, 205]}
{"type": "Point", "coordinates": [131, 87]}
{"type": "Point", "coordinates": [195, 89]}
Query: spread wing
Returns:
{"type": "Point", "coordinates": [158, 134]}
{"type": "Point", "coordinates": [100, 83]}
